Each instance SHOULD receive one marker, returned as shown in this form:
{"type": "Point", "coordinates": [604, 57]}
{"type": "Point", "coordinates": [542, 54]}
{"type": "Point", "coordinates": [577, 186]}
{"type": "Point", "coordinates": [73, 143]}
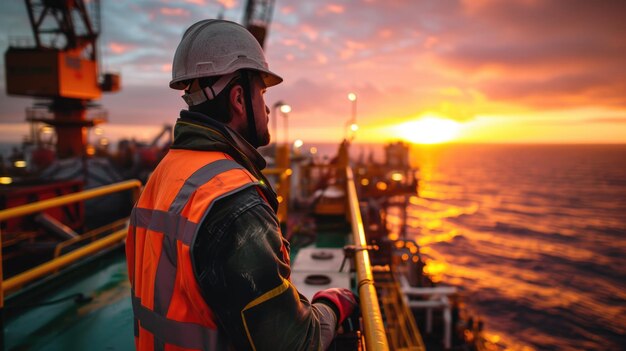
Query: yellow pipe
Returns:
{"type": "Point", "coordinates": [26, 277]}
{"type": "Point", "coordinates": [273, 171]}
{"type": "Point", "coordinates": [375, 337]}
{"type": "Point", "coordinates": [89, 235]}
{"type": "Point", "coordinates": [66, 199]}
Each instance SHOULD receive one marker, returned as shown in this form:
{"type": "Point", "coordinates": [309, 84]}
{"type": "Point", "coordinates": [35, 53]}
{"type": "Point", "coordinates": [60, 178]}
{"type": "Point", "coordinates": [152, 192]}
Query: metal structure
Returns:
{"type": "Point", "coordinates": [257, 17]}
{"type": "Point", "coordinates": [16, 282]}
{"type": "Point", "coordinates": [375, 336]}
{"type": "Point", "coordinates": [62, 67]}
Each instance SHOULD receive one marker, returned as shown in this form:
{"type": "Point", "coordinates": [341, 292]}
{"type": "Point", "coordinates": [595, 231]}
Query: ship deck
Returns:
{"type": "Point", "coordinates": [105, 322]}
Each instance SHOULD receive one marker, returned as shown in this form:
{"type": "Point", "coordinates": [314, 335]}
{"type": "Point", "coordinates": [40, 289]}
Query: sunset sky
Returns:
{"type": "Point", "coordinates": [517, 71]}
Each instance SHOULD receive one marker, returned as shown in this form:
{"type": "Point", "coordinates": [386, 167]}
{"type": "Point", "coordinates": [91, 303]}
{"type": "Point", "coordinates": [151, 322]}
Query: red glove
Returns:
{"type": "Point", "coordinates": [341, 300]}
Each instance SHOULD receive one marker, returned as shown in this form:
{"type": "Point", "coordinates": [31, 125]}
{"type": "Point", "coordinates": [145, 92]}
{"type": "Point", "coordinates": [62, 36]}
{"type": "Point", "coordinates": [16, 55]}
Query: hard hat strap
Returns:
{"type": "Point", "coordinates": [247, 88]}
{"type": "Point", "coordinates": [208, 92]}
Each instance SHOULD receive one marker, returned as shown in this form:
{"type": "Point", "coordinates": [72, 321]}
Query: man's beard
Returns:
{"type": "Point", "coordinates": [264, 139]}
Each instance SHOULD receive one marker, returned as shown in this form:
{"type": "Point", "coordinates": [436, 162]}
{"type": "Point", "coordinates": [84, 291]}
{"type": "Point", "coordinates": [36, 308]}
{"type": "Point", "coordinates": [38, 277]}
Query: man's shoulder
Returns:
{"type": "Point", "coordinates": [236, 214]}
{"type": "Point", "coordinates": [246, 195]}
{"type": "Point", "coordinates": [233, 205]}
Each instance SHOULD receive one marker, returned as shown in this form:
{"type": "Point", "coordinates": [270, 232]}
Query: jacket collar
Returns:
{"type": "Point", "coordinates": [197, 131]}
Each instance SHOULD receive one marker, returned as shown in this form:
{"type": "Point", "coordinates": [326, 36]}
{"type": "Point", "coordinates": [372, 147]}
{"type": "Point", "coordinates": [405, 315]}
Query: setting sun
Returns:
{"type": "Point", "coordinates": [429, 130]}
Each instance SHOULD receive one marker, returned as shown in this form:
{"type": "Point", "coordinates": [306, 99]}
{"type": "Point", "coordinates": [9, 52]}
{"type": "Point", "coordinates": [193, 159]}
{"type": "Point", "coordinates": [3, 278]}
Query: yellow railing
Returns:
{"type": "Point", "coordinates": [30, 275]}
{"type": "Point", "coordinates": [283, 191]}
{"type": "Point", "coordinates": [16, 282]}
{"type": "Point", "coordinates": [90, 235]}
{"type": "Point", "coordinates": [375, 337]}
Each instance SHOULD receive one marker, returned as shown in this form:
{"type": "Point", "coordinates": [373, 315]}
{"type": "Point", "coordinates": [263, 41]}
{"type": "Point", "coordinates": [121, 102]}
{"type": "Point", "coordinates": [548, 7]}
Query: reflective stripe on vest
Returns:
{"type": "Point", "coordinates": [167, 300]}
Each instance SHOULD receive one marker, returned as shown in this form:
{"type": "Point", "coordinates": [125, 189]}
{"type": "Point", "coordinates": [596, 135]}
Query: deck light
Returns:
{"type": "Point", "coordinates": [285, 108]}
{"type": "Point", "coordinates": [6, 180]}
{"type": "Point", "coordinates": [397, 176]}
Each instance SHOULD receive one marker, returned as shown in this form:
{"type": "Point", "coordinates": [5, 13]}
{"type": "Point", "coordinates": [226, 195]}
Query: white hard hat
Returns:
{"type": "Point", "coordinates": [211, 48]}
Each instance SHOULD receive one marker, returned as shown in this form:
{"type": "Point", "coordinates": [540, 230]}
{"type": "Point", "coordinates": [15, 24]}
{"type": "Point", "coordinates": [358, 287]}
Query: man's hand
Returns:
{"type": "Point", "coordinates": [341, 300]}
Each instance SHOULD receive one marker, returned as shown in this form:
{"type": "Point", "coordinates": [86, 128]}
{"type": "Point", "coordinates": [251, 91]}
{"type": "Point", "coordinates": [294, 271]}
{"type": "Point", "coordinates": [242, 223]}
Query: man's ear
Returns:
{"type": "Point", "coordinates": [237, 101]}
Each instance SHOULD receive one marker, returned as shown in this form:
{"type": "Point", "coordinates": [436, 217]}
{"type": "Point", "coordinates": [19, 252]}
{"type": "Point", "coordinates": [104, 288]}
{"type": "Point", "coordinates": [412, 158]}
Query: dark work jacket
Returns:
{"type": "Point", "coordinates": [237, 258]}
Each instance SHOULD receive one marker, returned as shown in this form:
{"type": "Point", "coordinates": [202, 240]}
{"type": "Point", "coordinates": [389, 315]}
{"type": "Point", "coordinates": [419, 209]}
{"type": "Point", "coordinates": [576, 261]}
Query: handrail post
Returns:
{"type": "Point", "coordinates": [375, 336]}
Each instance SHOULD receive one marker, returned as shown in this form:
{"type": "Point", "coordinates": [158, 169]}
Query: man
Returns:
{"type": "Point", "coordinates": [208, 265]}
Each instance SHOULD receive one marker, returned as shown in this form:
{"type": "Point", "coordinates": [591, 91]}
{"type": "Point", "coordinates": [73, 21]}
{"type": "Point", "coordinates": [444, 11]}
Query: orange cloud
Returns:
{"type": "Point", "coordinates": [289, 42]}
{"type": "Point", "coordinates": [196, 2]}
{"type": "Point", "coordinates": [321, 58]}
{"type": "Point", "coordinates": [334, 8]}
{"type": "Point", "coordinates": [170, 11]}
{"type": "Point", "coordinates": [385, 33]}
{"type": "Point", "coordinates": [229, 4]}
{"type": "Point", "coordinates": [119, 48]}
{"type": "Point", "coordinates": [353, 45]}
{"type": "Point", "coordinates": [309, 31]}
{"type": "Point", "coordinates": [430, 42]}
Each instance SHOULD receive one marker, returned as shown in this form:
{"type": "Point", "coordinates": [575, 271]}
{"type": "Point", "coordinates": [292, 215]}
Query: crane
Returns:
{"type": "Point", "coordinates": [62, 68]}
{"type": "Point", "coordinates": [257, 17]}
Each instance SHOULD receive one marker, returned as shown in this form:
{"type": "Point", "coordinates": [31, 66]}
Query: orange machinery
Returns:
{"type": "Point", "coordinates": [61, 67]}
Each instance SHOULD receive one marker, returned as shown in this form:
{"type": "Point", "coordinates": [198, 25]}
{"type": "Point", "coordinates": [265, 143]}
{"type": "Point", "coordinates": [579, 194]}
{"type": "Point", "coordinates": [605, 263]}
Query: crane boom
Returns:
{"type": "Point", "coordinates": [257, 17]}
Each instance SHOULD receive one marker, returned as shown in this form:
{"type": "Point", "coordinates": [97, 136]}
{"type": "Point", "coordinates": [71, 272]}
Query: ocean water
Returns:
{"type": "Point", "coordinates": [534, 237]}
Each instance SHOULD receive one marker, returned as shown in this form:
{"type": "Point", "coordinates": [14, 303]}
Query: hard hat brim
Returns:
{"type": "Point", "coordinates": [269, 78]}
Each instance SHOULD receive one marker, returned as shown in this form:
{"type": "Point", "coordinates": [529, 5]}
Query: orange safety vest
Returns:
{"type": "Point", "coordinates": [170, 312]}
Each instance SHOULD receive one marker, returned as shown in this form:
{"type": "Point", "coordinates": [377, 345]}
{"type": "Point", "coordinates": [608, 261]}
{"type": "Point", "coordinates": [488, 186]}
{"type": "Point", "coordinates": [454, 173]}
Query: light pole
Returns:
{"type": "Point", "coordinates": [275, 120]}
{"type": "Point", "coordinates": [284, 110]}
{"type": "Point", "coordinates": [352, 123]}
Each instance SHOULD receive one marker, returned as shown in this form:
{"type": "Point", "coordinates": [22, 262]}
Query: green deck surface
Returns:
{"type": "Point", "coordinates": [105, 323]}
{"type": "Point", "coordinates": [331, 239]}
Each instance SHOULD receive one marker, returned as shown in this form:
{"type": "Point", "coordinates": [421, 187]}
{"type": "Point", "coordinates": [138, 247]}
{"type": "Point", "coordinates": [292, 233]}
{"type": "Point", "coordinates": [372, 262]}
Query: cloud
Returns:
{"type": "Point", "coordinates": [332, 8]}
{"type": "Point", "coordinates": [461, 58]}
{"type": "Point", "coordinates": [550, 54]}
{"type": "Point", "coordinates": [119, 48]}
{"type": "Point", "coordinates": [171, 11]}
{"type": "Point", "coordinates": [229, 4]}
{"type": "Point", "coordinates": [539, 54]}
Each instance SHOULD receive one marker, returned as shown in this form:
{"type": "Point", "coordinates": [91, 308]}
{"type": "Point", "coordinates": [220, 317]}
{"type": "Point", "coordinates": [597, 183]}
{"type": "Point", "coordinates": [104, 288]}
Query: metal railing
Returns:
{"type": "Point", "coordinates": [90, 235]}
{"type": "Point", "coordinates": [283, 192]}
{"type": "Point", "coordinates": [375, 336]}
{"type": "Point", "coordinates": [401, 327]}
{"type": "Point", "coordinates": [32, 274]}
